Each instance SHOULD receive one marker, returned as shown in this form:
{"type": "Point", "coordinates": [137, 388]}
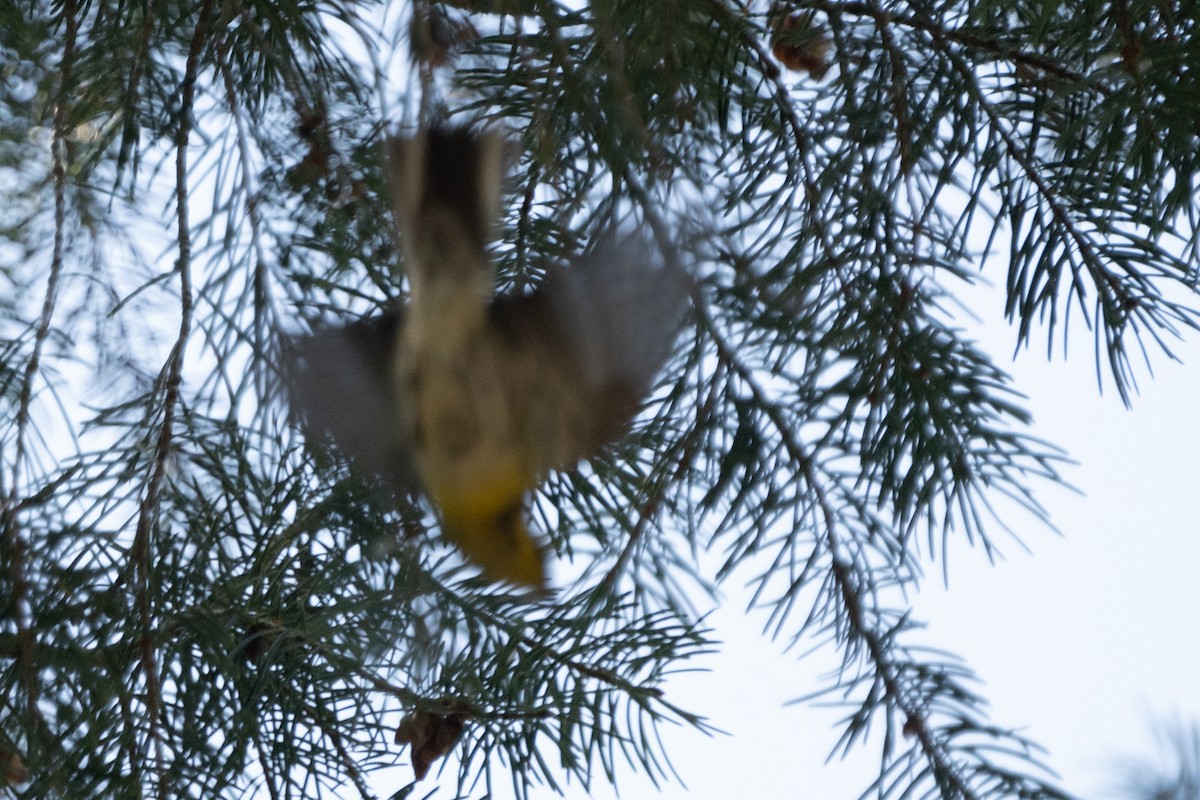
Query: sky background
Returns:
{"type": "Point", "coordinates": [1082, 644]}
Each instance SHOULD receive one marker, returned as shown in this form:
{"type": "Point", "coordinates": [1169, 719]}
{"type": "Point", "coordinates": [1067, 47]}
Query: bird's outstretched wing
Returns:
{"type": "Point", "coordinates": [590, 341]}
{"type": "Point", "coordinates": [340, 384]}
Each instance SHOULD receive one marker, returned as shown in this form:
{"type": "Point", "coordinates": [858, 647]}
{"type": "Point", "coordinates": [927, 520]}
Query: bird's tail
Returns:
{"type": "Point", "coordinates": [447, 170]}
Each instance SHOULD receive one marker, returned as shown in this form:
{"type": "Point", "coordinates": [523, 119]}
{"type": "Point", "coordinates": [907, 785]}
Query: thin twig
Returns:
{"type": "Point", "coordinates": [961, 36]}
{"type": "Point", "coordinates": [849, 592]}
{"type": "Point", "coordinates": [860, 627]}
{"type": "Point", "coordinates": [142, 553]}
{"type": "Point", "coordinates": [15, 546]}
{"type": "Point", "coordinates": [249, 190]}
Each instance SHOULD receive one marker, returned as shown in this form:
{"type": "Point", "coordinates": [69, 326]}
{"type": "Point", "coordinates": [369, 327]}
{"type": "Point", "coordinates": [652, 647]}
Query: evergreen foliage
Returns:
{"type": "Point", "coordinates": [195, 604]}
{"type": "Point", "coordinates": [1175, 774]}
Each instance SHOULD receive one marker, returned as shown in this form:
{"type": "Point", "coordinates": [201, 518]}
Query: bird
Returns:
{"type": "Point", "coordinates": [470, 397]}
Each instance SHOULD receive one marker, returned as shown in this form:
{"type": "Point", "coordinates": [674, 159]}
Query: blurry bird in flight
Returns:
{"type": "Point", "coordinates": [473, 398]}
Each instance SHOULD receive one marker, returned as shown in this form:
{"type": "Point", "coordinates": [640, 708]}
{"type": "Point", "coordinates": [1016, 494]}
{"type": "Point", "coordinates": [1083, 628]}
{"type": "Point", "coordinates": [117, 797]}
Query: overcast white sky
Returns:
{"type": "Point", "coordinates": [1079, 644]}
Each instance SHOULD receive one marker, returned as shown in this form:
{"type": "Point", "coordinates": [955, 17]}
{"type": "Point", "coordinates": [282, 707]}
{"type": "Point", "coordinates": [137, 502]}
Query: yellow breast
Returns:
{"type": "Point", "coordinates": [471, 459]}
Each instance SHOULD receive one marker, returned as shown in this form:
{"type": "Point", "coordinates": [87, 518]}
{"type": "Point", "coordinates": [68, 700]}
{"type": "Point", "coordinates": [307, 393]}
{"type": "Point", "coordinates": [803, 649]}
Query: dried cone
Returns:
{"type": "Point", "coordinates": [259, 637]}
{"type": "Point", "coordinates": [12, 768]}
{"type": "Point", "coordinates": [431, 735]}
{"type": "Point", "coordinates": [435, 36]}
{"type": "Point", "coordinates": [801, 46]}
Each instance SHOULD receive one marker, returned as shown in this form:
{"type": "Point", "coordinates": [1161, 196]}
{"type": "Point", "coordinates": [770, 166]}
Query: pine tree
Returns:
{"type": "Point", "coordinates": [1175, 773]}
{"type": "Point", "coordinates": [197, 603]}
